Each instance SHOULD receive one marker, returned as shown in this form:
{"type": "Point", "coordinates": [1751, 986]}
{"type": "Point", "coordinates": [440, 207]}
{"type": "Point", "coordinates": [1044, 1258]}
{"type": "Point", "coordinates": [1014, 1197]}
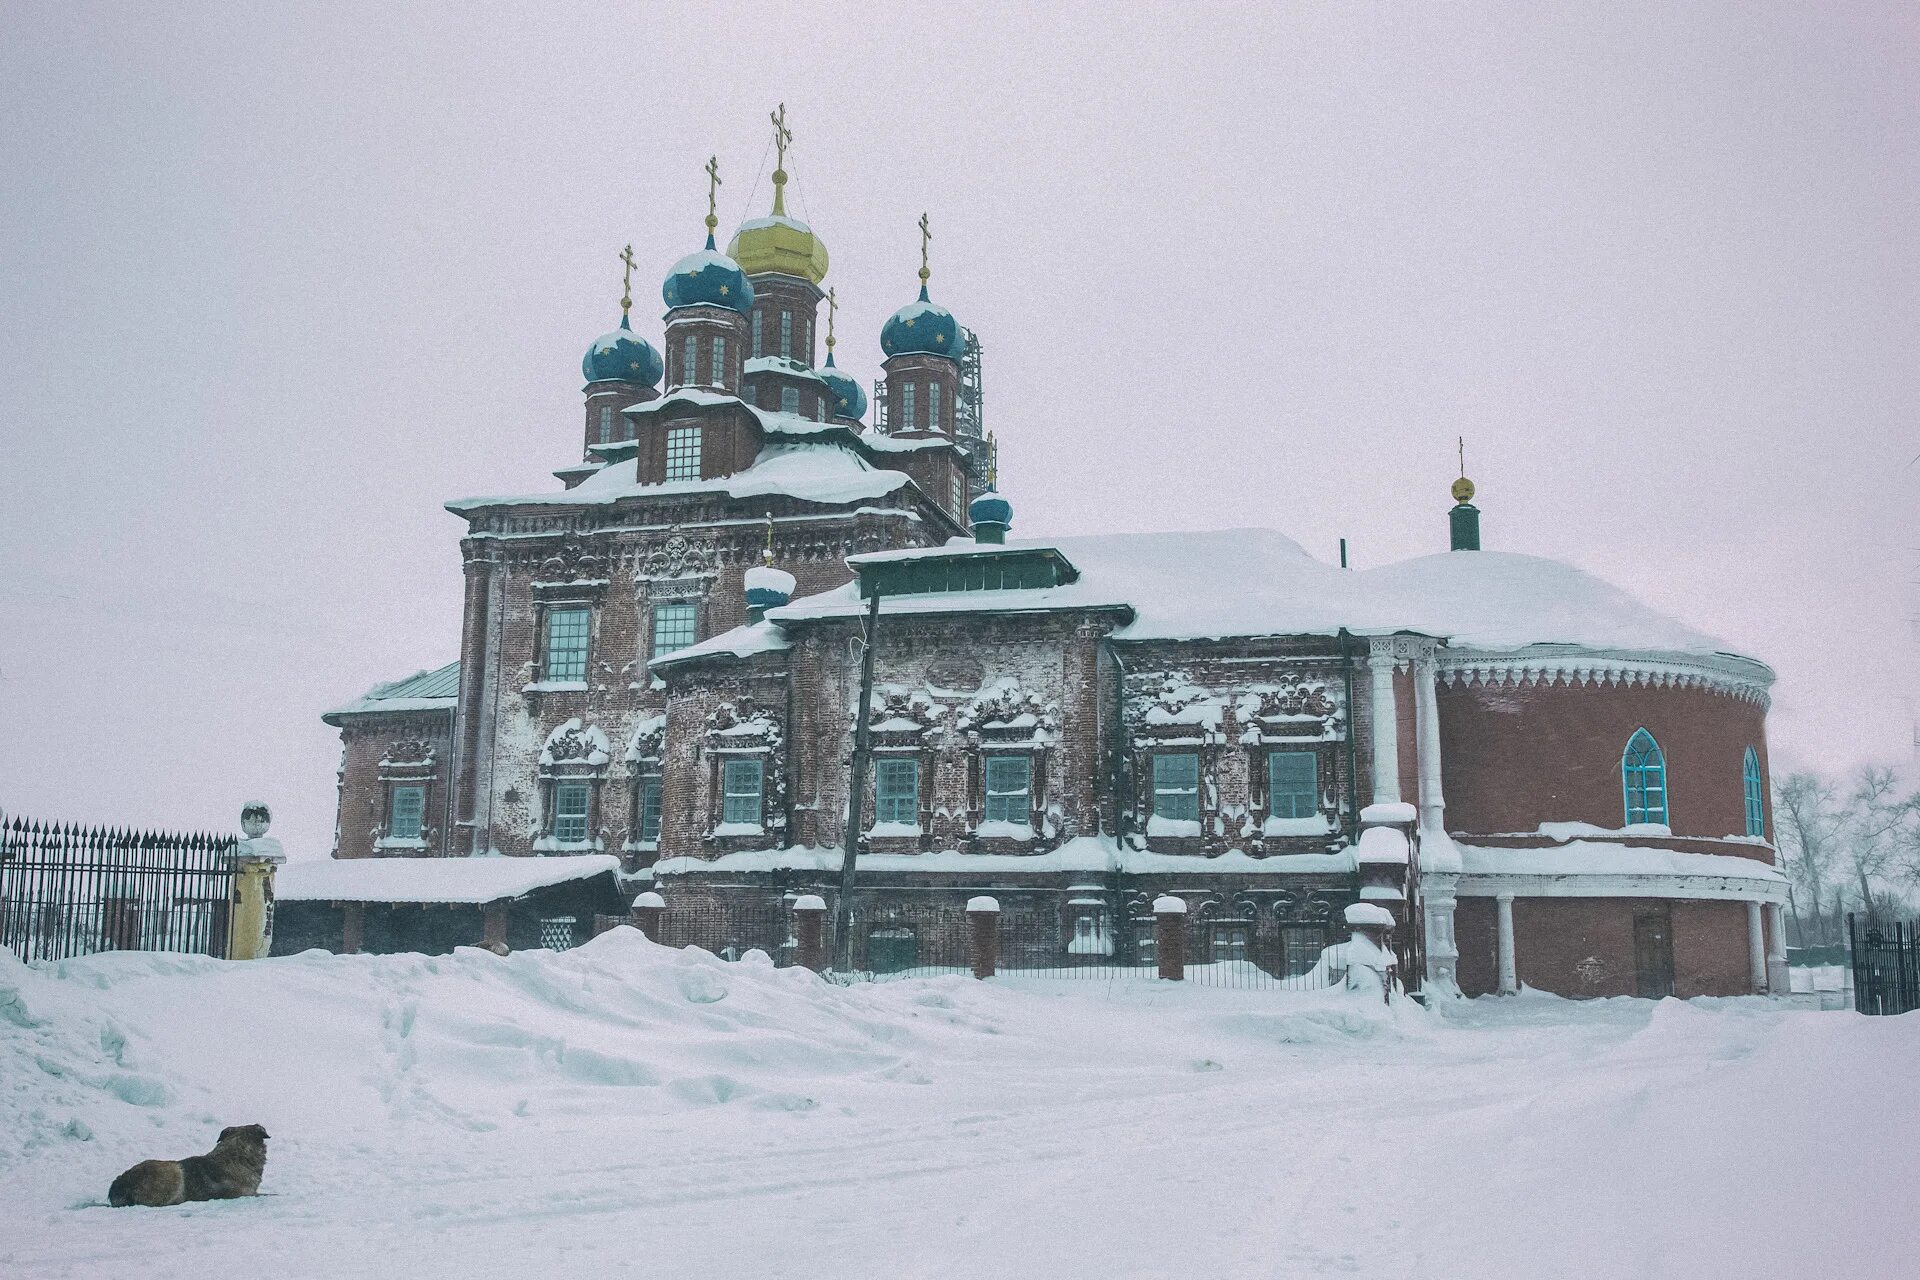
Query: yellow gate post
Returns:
{"type": "Point", "coordinates": [250, 923]}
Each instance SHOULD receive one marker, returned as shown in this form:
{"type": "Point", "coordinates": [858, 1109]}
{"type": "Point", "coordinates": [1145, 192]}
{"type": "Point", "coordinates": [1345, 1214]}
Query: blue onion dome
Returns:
{"type": "Point", "coordinates": [708, 278]}
{"type": "Point", "coordinates": [849, 398]}
{"type": "Point", "coordinates": [990, 508]}
{"type": "Point", "coordinates": [622, 356]}
{"type": "Point", "coordinates": [922, 327]}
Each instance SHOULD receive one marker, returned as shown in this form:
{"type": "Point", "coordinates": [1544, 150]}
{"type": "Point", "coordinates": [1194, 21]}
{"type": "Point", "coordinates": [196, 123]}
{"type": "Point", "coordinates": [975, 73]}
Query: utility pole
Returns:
{"type": "Point", "coordinates": [856, 792]}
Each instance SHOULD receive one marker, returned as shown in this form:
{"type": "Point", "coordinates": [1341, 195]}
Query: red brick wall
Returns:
{"type": "Point", "coordinates": [362, 816]}
{"type": "Point", "coordinates": [1514, 757]}
{"type": "Point", "coordinates": [1553, 936]}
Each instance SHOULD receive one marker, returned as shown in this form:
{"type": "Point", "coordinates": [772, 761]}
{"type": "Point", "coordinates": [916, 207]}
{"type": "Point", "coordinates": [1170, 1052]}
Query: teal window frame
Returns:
{"type": "Point", "coordinates": [1293, 784]}
{"type": "Point", "coordinates": [743, 784]}
{"type": "Point", "coordinates": [569, 632]}
{"type": "Point", "coordinates": [683, 453]}
{"type": "Point", "coordinates": [1643, 779]}
{"type": "Point", "coordinates": [896, 790]}
{"type": "Point", "coordinates": [1754, 793]}
{"type": "Point", "coordinates": [676, 624]}
{"type": "Point", "coordinates": [406, 811]}
{"type": "Point", "coordinates": [1007, 781]}
{"type": "Point", "coordinates": [650, 793]}
{"type": "Point", "coordinates": [571, 801]}
{"type": "Point", "coordinates": [1176, 786]}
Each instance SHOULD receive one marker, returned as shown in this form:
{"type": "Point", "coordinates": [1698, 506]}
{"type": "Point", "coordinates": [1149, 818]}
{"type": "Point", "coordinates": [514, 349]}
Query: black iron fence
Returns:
{"type": "Point", "coordinates": [1886, 966]}
{"type": "Point", "coordinates": [70, 891]}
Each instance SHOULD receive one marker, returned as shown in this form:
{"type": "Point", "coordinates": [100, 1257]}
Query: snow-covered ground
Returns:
{"type": "Point", "coordinates": [624, 1109]}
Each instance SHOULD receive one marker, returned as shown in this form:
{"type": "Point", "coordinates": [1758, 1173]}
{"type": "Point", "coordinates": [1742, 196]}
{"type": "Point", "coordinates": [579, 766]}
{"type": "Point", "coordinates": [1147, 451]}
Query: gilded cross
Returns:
{"type": "Point", "coordinates": [713, 192]}
{"type": "Point", "coordinates": [833, 305]}
{"type": "Point", "coordinates": [781, 136]}
{"type": "Point", "coordinates": [626, 281]}
{"type": "Point", "coordinates": [925, 235]}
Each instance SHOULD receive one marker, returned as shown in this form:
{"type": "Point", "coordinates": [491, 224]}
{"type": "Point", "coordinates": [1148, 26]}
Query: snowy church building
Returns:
{"type": "Point", "coordinates": [1549, 784]}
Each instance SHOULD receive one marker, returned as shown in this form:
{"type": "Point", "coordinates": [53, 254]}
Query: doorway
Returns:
{"type": "Point", "coordinates": [1653, 954]}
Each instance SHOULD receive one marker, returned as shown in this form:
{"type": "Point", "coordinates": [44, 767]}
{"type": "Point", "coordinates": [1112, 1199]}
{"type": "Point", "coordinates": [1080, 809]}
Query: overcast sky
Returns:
{"type": "Point", "coordinates": [274, 285]}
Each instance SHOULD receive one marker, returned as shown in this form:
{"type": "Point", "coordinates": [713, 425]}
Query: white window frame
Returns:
{"type": "Point", "coordinates": [570, 827]}
{"type": "Point", "coordinates": [895, 806]}
{"type": "Point", "coordinates": [576, 667]}
{"type": "Point", "coordinates": [684, 447]}
{"type": "Point", "coordinates": [671, 619]}
{"type": "Point", "coordinates": [1000, 803]}
{"type": "Point", "coordinates": [741, 805]}
{"type": "Point", "coordinates": [1168, 793]}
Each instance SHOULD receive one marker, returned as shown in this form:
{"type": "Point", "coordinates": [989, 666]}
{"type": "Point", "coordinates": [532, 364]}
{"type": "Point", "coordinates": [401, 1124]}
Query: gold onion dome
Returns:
{"type": "Point", "coordinates": [778, 244]}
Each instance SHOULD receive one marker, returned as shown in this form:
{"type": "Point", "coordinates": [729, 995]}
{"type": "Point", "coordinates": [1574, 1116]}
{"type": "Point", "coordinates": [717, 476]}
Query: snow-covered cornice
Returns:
{"type": "Point", "coordinates": [1727, 673]}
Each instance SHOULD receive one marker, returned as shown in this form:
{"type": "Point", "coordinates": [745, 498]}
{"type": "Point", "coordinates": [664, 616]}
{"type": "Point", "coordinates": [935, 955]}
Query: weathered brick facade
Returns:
{"type": "Point", "coordinates": [1229, 767]}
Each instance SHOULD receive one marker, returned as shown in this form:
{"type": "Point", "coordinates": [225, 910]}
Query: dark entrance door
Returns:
{"type": "Point", "coordinates": [1653, 955]}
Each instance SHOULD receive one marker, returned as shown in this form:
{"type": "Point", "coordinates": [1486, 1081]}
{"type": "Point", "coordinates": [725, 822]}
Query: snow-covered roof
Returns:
{"type": "Point", "coordinates": [434, 690]}
{"type": "Point", "coordinates": [780, 364]}
{"type": "Point", "coordinates": [461, 880]}
{"type": "Point", "coordinates": [1256, 582]}
{"type": "Point", "coordinates": [814, 472]}
{"type": "Point", "coordinates": [741, 642]}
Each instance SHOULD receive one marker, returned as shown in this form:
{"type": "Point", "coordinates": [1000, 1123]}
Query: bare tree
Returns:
{"type": "Point", "coordinates": [1808, 820]}
{"type": "Point", "coordinates": [1880, 833]}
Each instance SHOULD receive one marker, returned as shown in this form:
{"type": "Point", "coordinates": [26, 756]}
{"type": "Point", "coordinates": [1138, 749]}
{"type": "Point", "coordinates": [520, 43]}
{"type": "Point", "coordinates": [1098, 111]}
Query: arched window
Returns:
{"type": "Point", "coordinates": [1756, 796]}
{"type": "Point", "coordinates": [1643, 776]}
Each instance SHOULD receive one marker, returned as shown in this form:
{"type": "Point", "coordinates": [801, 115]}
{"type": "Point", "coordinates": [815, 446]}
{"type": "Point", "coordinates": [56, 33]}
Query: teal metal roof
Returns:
{"type": "Point", "coordinates": [436, 690]}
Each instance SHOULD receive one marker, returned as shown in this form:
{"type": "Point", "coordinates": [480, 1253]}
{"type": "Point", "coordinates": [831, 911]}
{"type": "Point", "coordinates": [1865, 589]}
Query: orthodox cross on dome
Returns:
{"type": "Point", "coordinates": [833, 305]}
{"type": "Point", "coordinates": [626, 285]}
{"type": "Point", "coordinates": [926, 234]}
{"type": "Point", "coordinates": [782, 139]}
{"type": "Point", "coordinates": [713, 196]}
{"type": "Point", "coordinates": [766, 552]}
{"type": "Point", "coordinates": [1463, 487]}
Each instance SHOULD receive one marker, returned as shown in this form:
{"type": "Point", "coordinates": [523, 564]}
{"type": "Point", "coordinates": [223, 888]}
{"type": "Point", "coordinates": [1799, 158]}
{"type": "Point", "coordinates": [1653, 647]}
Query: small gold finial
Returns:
{"type": "Point", "coordinates": [833, 305]}
{"type": "Point", "coordinates": [766, 552]}
{"type": "Point", "coordinates": [782, 138]}
{"type": "Point", "coordinates": [993, 462]}
{"type": "Point", "coordinates": [713, 193]}
{"type": "Point", "coordinates": [926, 234]}
{"type": "Point", "coordinates": [626, 282]}
{"type": "Point", "coordinates": [1463, 487]}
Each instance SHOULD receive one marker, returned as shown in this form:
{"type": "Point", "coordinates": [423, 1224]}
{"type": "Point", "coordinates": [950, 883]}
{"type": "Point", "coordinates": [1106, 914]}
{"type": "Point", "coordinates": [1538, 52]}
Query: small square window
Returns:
{"type": "Point", "coordinates": [1293, 784]}
{"type": "Point", "coordinates": [570, 812]}
{"type": "Point", "coordinates": [683, 453]}
{"type": "Point", "coordinates": [673, 626]}
{"type": "Point", "coordinates": [406, 809]}
{"type": "Point", "coordinates": [1176, 787]}
{"type": "Point", "coordinates": [896, 790]}
{"type": "Point", "coordinates": [1009, 782]}
{"type": "Point", "coordinates": [567, 630]}
{"type": "Point", "coordinates": [650, 808]}
{"type": "Point", "coordinates": [740, 783]}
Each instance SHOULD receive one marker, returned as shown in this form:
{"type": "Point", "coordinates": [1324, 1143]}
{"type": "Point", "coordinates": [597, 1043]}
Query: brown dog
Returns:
{"type": "Point", "coordinates": [232, 1169]}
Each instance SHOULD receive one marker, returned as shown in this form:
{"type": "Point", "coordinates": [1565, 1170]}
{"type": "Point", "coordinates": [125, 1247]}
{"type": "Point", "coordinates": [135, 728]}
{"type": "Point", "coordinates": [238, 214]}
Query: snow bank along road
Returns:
{"type": "Point", "coordinates": [625, 1109]}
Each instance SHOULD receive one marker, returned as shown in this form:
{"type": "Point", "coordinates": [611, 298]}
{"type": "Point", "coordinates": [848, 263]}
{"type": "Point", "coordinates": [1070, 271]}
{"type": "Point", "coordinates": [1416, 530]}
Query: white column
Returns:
{"type": "Point", "coordinates": [1509, 971]}
{"type": "Point", "coordinates": [1779, 981]}
{"type": "Point", "coordinates": [1756, 949]}
{"type": "Point", "coordinates": [1426, 715]}
{"type": "Point", "coordinates": [1386, 723]}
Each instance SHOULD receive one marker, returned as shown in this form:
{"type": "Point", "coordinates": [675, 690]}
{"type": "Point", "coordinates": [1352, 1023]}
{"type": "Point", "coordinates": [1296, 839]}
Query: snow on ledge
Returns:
{"type": "Point", "coordinates": [436, 880]}
{"type": "Point", "coordinates": [1085, 853]}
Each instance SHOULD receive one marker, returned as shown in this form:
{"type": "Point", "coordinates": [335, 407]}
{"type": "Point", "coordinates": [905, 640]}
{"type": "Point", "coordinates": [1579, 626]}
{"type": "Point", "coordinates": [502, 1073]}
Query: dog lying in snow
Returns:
{"type": "Point", "coordinates": [231, 1170]}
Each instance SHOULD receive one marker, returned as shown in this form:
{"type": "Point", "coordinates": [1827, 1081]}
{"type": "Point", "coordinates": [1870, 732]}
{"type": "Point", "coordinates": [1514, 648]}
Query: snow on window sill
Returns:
{"type": "Point", "coordinates": [1004, 831]}
{"type": "Point", "coordinates": [1172, 827]}
{"type": "Point", "coordinates": [555, 686]}
{"type": "Point", "coordinates": [739, 829]}
{"type": "Point", "coordinates": [549, 844]}
{"type": "Point", "coordinates": [1313, 825]}
{"type": "Point", "coordinates": [400, 842]}
{"type": "Point", "coordinates": [642, 846]}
